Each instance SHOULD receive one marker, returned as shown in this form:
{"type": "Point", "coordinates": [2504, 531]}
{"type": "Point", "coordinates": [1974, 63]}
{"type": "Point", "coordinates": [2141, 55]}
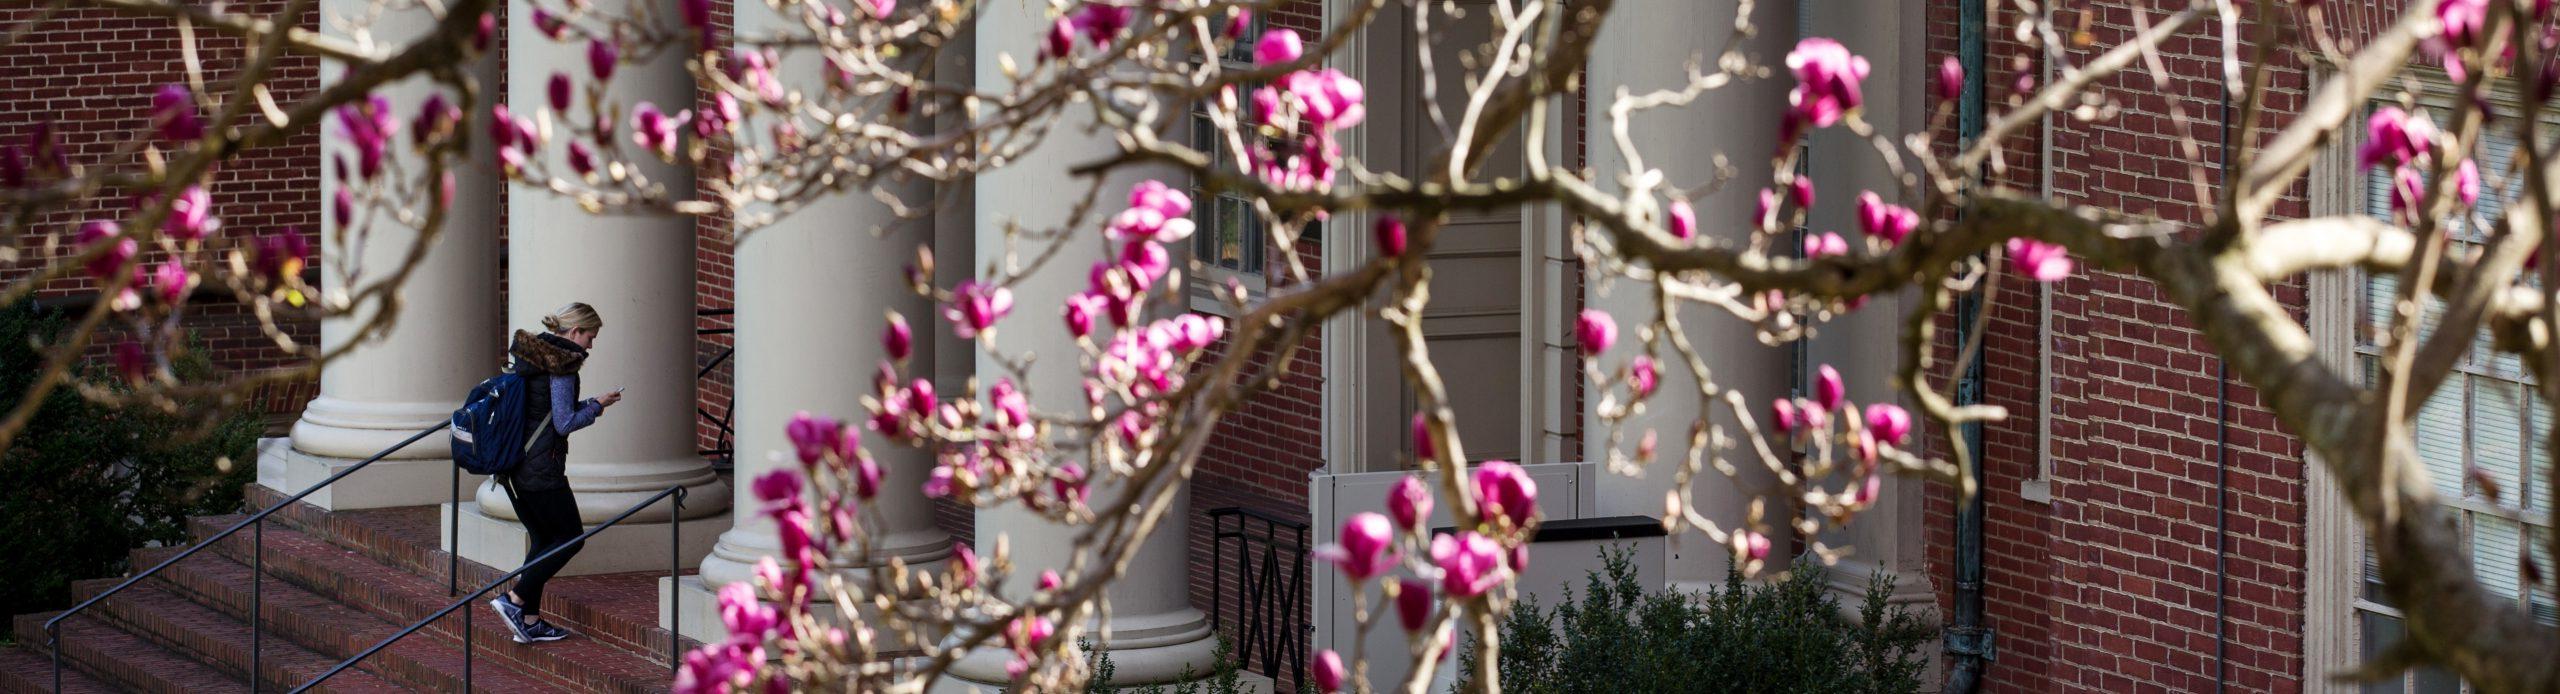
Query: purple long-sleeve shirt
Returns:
{"type": "Point", "coordinates": [569, 414]}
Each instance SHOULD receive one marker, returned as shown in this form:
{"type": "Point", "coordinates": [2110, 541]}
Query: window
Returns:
{"type": "Point", "coordinates": [2484, 417]}
{"type": "Point", "coordinates": [1230, 236]}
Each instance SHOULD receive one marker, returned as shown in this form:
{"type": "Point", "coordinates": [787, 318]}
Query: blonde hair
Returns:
{"type": "Point", "coordinates": [575, 316]}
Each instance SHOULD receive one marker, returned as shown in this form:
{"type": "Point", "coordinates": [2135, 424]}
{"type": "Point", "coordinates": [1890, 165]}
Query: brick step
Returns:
{"type": "Point", "coordinates": [171, 621]}
{"type": "Point", "coordinates": [125, 662]}
{"type": "Point", "coordinates": [618, 609]}
{"type": "Point", "coordinates": [27, 669]}
{"type": "Point", "coordinates": [331, 577]}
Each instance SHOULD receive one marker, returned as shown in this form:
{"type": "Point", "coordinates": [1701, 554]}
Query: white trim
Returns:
{"type": "Point", "coordinates": [2333, 562]}
{"type": "Point", "coordinates": [1345, 247]}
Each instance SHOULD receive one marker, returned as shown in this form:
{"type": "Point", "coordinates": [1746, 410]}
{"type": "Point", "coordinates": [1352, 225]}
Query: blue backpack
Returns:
{"type": "Point", "coordinates": [489, 432]}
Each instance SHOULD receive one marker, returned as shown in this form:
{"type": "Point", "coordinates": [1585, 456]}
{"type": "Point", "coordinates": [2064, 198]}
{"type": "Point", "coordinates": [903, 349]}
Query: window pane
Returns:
{"type": "Point", "coordinates": [2379, 633]}
{"type": "Point", "coordinates": [2439, 435]}
{"type": "Point", "coordinates": [2537, 483]}
{"type": "Point", "coordinates": [2497, 553]}
{"type": "Point", "coordinates": [2497, 434]}
{"type": "Point", "coordinates": [2546, 604]}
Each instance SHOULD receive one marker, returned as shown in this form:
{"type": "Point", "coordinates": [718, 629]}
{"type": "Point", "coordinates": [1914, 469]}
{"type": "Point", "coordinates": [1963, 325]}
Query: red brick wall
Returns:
{"type": "Point", "coordinates": [1261, 455]}
{"type": "Point", "coordinates": [99, 106]}
{"type": "Point", "coordinates": [2112, 586]}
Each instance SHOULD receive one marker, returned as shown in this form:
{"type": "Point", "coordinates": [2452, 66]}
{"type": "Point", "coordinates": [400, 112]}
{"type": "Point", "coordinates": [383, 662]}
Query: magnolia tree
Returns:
{"type": "Point", "coordinates": [1153, 392]}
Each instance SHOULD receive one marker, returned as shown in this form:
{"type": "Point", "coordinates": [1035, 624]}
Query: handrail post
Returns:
{"type": "Point", "coordinates": [467, 651]}
{"type": "Point", "coordinates": [453, 541]}
{"type": "Point", "coordinates": [257, 600]}
{"type": "Point", "coordinates": [675, 610]}
{"type": "Point", "coordinates": [53, 639]}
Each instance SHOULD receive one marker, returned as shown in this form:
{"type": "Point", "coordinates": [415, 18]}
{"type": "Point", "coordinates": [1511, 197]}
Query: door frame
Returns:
{"type": "Point", "coordinates": [1362, 373]}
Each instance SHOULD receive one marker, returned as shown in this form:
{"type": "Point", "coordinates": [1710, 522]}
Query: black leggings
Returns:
{"type": "Point", "coordinates": [551, 518]}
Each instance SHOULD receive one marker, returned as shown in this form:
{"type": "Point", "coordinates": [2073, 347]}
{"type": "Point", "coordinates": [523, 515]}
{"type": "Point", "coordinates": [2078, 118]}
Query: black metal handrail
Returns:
{"type": "Point", "coordinates": [721, 452]}
{"type": "Point", "coordinates": [258, 564]}
{"type": "Point", "coordinates": [675, 534]}
{"type": "Point", "coordinates": [1271, 603]}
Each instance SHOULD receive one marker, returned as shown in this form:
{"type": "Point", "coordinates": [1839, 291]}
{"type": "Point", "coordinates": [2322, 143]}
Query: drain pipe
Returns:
{"type": "Point", "coordinates": [1968, 642]}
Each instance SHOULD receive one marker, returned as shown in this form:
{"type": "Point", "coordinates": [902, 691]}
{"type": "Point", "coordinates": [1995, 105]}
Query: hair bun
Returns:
{"type": "Point", "coordinates": [551, 323]}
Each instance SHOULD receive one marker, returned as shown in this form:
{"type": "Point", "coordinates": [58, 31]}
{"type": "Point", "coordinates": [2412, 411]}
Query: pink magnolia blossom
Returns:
{"type": "Point", "coordinates": [559, 90]}
{"type": "Point", "coordinates": [1766, 205]}
{"type": "Point", "coordinates": [897, 339]}
{"type": "Point", "coordinates": [1827, 77]}
{"type": "Point", "coordinates": [2462, 20]}
{"type": "Point", "coordinates": [964, 565]}
{"type": "Point", "coordinates": [1800, 192]}
{"type": "Point", "coordinates": [1389, 233]}
{"type": "Point", "coordinates": [1643, 376]}
{"type": "Point", "coordinates": [778, 489]}
{"type": "Point", "coordinates": [1889, 422]}
{"type": "Point", "coordinates": [1504, 489]}
{"type": "Point", "coordinates": [132, 360]}
{"type": "Point", "coordinates": [654, 130]}
{"type": "Point", "coordinates": [814, 438]}
{"type": "Point", "coordinates": [1363, 551]}
{"type": "Point", "coordinates": [2466, 182]}
{"type": "Point", "coordinates": [2397, 136]}
{"type": "Point", "coordinates": [1470, 563]}
{"type": "Point", "coordinates": [1868, 490]}
{"type": "Point", "coordinates": [172, 281]}
{"type": "Point", "coordinates": [581, 161]}
{"type": "Point", "coordinates": [601, 57]}
{"type": "Point", "coordinates": [1751, 544]}
{"type": "Point", "coordinates": [1595, 331]}
{"type": "Point", "coordinates": [2407, 191]}
{"type": "Point", "coordinates": [342, 208]}
{"type": "Point", "coordinates": [1049, 580]}
{"type": "Point", "coordinates": [880, 9]}
{"type": "Point", "coordinates": [1413, 602]}
{"type": "Point", "coordinates": [173, 113]}
{"type": "Point", "coordinates": [724, 668]}
{"type": "Point", "coordinates": [278, 255]}
{"type": "Point", "coordinates": [1278, 46]}
{"type": "Point", "coordinates": [1422, 446]}
{"type": "Point", "coordinates": [1060, 39]}
{"type": "Point", "coordinates": [553, 27]}
{"type": "Point", "coordinates": [1784, 417]}
{"type": "Point", "coordinates": [1409, 502]}
{"type": "Point", "coordinates": [866, 472]}
{"type": "Point", "coordinates": [1950, 79]}
{"type": "Point", "coordinates": [748, 619]}
{"type": "Point", "coordinates": [1327, 671]}
{"type": "Point", "coordinates": [1682, 220]}
{"type": "Point", "coordinates": [1827, 243]}
{"type": "Point", "coordinates": [118, 250]}
{"type": "Point", "coordinates": [1027, 632]}
{"type": "Point", "coordinates": [1081, 309]}
{"type": "Point", "coordinates": [191, 215]}
{"type": "Point", "coordinates": [369, 124]}
{"type": "Point", "coordinates": [2045, 262]}
{"type": "Point", "coordinates": [1071, 484]}
{"type": "Point", "coordinates": [1237, 20]}
{"type": "Point", "coordinates": [976, 306]}
{"type": "Point", "coordinates": [1887, 222]}
{"type": "Point", "coordinates": [1328, 98]}
{"type": "Point", "coordinates": [1828, 388]}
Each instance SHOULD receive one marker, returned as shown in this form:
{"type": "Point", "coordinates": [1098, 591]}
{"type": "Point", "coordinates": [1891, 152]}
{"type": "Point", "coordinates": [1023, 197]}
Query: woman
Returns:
{"type": "Point", "coordinates": [539, 487]}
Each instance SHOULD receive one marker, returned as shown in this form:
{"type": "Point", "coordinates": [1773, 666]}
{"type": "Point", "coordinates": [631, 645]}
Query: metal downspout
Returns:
{"type": "Point", "coordinates": [1968, 641]}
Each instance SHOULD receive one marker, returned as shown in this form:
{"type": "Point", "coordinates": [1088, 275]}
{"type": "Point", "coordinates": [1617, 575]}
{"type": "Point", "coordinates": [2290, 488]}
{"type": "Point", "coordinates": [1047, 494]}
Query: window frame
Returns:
{"type": "Point", "coordinates": [1210, 275]}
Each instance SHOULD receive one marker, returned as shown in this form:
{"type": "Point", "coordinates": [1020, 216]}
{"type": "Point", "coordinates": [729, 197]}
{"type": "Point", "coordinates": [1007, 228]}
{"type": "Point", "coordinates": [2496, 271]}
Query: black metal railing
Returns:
{"type": "Point", "coordinates": [1272, 618]}
{"type": "Point", "coordinates": [675, 534]}
{"type": "Point", "coordinates": [723, 453]}
{"type": "Point", "coordinates": [257, 561]}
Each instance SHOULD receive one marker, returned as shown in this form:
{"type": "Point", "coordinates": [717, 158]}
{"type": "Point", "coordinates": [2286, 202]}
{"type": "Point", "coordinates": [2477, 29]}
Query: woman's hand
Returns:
{"type": "Point", "coordinates": [610, 398]}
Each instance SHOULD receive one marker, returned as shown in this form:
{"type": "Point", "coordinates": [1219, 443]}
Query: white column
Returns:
{"type": "Point", "coordinates": [1646, 46]}
{"type": "Point", "coordinates": [447, 334]}
{"type": "Point", "coordinates": [638, 272]}
{"type": "Point", "coordinates": [1155, 633]}
{"type": "Point", "coordinates": [812, 293]}
{"type": "Point", "coordinates": [1865, 345]}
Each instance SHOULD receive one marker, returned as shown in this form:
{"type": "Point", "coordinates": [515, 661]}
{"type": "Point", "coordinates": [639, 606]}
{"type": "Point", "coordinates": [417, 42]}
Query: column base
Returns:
{"type": "Point", "coordinates": [1163, 666]}
{"type": "Point", "coordinates": [633, 545]}
{"type": "Point", "coordinates": [1912, 591]}
{"type": "Point", "coordinates": [384, 484]}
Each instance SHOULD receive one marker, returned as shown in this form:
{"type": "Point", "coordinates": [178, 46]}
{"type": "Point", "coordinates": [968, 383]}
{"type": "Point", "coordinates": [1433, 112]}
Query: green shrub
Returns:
{"type": "Point", "coordinates": [87, 484]}
{"type": "Point", "coordinates": [1786, 636]}
{"type": "Point", "coordinates": [1223, 677]}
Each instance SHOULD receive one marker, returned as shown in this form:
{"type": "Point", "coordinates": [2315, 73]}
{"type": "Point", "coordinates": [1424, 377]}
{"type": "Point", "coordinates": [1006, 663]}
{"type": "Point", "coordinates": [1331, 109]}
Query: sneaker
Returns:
{"type": "Point", "coordinates": [511, 614]}
{"type": "Point", "coordinates": [540, 631]}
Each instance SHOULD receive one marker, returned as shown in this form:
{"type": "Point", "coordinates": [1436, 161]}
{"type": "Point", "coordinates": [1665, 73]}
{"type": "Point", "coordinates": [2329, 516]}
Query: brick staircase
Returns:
{"type": "Point", "coordinates": [336, 583]}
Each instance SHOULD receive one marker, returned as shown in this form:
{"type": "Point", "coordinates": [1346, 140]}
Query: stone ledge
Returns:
{"type": "Point", "coordinates": [630, 546]}
{"type": "Point", "coordinates": [384, 484]}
